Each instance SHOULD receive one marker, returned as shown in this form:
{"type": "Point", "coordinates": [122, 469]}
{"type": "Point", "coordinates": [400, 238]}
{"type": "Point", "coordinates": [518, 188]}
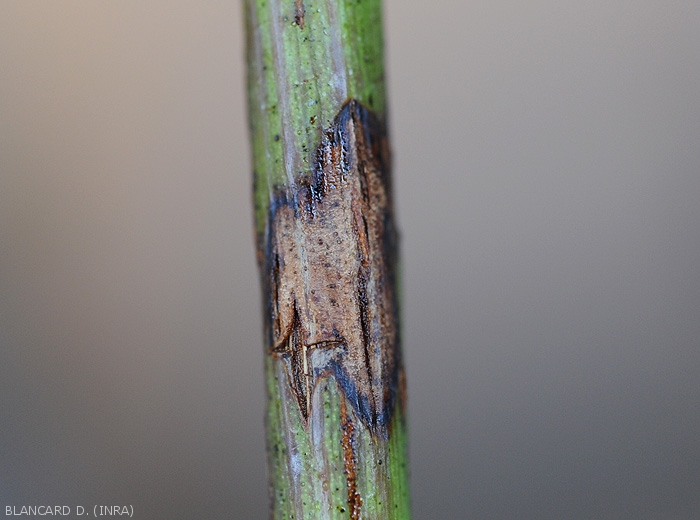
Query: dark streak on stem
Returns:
{"type": "Point", "coordinates": [364, 323]}
{"type": "Point", "coordinates": [299, 13]}
{"type": "Point", "coordinates": [350, 462]}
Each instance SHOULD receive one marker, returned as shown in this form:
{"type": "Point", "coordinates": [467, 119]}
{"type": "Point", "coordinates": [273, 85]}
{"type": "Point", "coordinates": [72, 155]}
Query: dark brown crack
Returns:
{"type": "Point", "coordinates": [299, 13]}
{"type": "Point", "coordinates": [297, 354]}
{"type": "Point", "coordinates": [350, 462]}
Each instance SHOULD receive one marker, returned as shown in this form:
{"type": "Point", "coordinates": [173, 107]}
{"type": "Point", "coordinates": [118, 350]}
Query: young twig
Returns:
{"type": "Point", "coordinates": [326, 242]}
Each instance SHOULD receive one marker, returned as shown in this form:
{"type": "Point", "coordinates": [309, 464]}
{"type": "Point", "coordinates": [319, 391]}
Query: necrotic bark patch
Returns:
{"type": "Point", "coordinates": [331, 258]}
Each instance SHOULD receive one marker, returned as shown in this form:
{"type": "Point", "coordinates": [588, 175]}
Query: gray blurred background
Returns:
{"type": "Point", "coordinates": [547, 168]}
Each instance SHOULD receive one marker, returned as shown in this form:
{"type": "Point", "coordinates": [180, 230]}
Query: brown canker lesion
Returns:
{"type": "Point", "coordinates": [331, 253]}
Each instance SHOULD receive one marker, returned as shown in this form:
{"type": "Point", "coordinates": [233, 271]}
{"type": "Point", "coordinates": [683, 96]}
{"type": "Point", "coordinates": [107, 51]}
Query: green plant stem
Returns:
{"type": "Point", "coordinates": [329, 455]}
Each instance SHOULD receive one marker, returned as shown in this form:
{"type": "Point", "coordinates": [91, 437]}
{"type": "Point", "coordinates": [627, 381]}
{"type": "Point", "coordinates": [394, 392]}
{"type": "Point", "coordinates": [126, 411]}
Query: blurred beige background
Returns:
{"type": "Point", "coordinates": [548, 182]}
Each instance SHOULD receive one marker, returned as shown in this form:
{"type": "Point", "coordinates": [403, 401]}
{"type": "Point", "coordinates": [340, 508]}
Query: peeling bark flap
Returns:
{"type": "Point", "coordinates": [331, 253]}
